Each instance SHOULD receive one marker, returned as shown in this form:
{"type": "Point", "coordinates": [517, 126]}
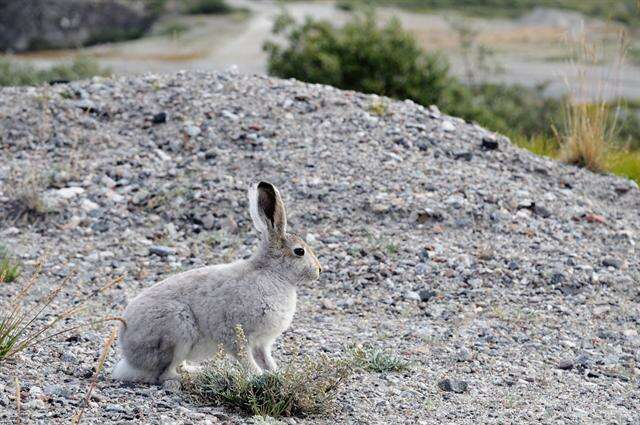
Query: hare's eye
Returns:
{"type": "Point", "coordinates": [299, 252]}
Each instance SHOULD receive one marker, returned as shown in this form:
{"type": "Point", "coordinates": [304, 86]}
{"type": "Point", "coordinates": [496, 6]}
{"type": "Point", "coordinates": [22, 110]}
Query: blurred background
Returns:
{"type": "Point", "coordinates": [559, 77]}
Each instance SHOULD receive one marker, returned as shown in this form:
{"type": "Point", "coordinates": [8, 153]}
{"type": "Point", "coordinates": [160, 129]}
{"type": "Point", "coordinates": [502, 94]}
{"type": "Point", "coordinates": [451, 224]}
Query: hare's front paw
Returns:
{"type": "Point", "coordinates": [192, 368]}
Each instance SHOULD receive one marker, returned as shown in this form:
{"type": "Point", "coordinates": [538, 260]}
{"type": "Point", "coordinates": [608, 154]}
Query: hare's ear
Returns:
{"type": "Point", "coordinates": [267, 210]}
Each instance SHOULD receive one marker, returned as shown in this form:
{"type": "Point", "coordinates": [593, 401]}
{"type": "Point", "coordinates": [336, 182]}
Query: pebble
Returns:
{"type": "Point", "coordinates": [453, 385]}
{"type": "Point", "coordinates": [162, 251]}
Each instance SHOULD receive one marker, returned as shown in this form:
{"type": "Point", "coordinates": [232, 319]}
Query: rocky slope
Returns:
{"type": "Point", "coordinates": [440, 241]}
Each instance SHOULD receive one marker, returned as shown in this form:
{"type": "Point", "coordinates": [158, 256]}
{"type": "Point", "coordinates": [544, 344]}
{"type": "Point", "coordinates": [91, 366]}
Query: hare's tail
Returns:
{"type": "Point", "coordinates": [123, 371]}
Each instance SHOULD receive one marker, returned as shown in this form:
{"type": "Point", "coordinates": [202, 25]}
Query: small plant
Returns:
{"type": "Point", "coordinates": [25, 199]}
{"type": "Point", "coordinates": [379, 108]}
{"type": "Point", "coordinates": [305, 387]}
{"type": "Point", "coordinates": [377, 360]}
{"type": "Point", "coordinates": [21, 327]}
{"type": "Point", "coordinates": [9, 268]}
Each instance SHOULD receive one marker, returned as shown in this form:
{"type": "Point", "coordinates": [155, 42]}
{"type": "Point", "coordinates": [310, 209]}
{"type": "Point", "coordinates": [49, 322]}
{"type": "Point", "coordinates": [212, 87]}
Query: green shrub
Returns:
{"type": "Point", "coordinates": [305, 387]}
{"type": "Point", "coordinates": [14, 74]}
{"type": "Point", "coordinates": [358, 56]}
{"type": "Point", "coordinates": [208, 7]}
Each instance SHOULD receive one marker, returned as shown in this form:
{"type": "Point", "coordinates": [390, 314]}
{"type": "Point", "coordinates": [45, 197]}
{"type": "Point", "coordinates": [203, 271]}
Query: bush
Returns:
{"type": "Point", "coordinates": [358, 56]}
{"type": "Point", "coordinates": [13, 74]}
{"type": "Point", "coordinates": [303, 388]}
{"type": "Point", "coordinates": [208, 7]}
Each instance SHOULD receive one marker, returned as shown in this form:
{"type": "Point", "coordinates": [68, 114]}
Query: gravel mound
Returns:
{"type": "Point", "coordinates": [510, 281]}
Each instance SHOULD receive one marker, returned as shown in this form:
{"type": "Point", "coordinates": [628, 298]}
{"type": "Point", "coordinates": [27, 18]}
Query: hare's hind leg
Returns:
{"type": "Point", "coordinates": [262, 355]}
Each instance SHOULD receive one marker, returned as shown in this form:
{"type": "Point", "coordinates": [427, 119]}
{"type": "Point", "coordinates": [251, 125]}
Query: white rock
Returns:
{"type": "Point", "coordinates": [69, 192]}
{"type": "Point", "coordinates": [88, 205]}
{"type": "Point", "coordinates": [448, 126]}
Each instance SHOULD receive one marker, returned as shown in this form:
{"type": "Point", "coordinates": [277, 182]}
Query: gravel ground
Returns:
{"type": "Point", "coordinates": [440, 241]}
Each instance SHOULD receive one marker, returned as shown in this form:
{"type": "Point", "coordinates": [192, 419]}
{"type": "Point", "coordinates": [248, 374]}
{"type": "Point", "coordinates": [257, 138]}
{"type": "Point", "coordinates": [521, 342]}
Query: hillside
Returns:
{"type": "Point", "coordinates": [474, 259]}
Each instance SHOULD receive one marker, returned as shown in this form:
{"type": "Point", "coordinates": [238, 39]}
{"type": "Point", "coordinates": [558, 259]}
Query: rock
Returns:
{"type": "Point", "coordinates": [162, 251]}
{"type": "Point", "coordinates": [612, 262]}
{"type": "Point", "coordinates": [490, 143]}
{"type": "Point", "coordinates": [448, 126]}
{"type": "Point", "coordinates": [412, 296]}
{"type": "Point", "coordinates": [426, 294]}
{"type": "Point", "coordinates": [192, 130]}
{"type": "Point", "coordinates": [159, 118]}
{"type": "Point", "coordinates": [453, 385]}
{"type": "Point", "coordinates": [464, 355]}
{"type": "Point", "coordinates": [467, 156]}
{"type": "Point", "coordinates": [565, 364]}
{"type": "Point", "coordinates": [69, 192]}
{"type": "Point", "coordinates": [208, 221]}
{"type": "Point", "coordinates": [56, 24]}
{"type": "Point", "coordinates": [88, 205]}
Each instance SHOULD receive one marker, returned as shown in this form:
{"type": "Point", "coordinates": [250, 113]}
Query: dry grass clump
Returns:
{"type": "Point", "coordinates": [26, 200]}
{"type": "Point", "coordinates": [21, 324]}
{"type": "Point", "coordinates": [590, 126]}
{"type": "Point", "coordinates": [305, 387]}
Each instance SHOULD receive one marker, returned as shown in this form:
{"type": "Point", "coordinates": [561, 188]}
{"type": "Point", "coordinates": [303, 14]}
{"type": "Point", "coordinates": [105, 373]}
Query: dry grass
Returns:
{"type": "Point", "coordinates": [305, 387]}
{"type": "Point", "coordinates": [94, 380]}
{"type": "Point", "coordinates": [25, 198]}
{"type": "Point", "coordinates": [590, 126]}
{"type": "Point", "coordinates": [21, 324]}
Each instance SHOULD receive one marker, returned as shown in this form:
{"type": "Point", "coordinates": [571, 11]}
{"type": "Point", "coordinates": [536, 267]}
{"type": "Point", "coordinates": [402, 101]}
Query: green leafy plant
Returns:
{"type": "Point", "coordinates": [377, 360]}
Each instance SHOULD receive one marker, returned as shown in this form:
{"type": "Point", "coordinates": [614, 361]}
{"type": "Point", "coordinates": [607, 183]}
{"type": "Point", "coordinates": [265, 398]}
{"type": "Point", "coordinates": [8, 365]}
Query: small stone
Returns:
{"type": "Point", "coordinates": [159, 118]}
{"type": "Point", "coordinates": [565, 364]}
{"type": "Point", "coordinates": [192, 130]}
{"type": "Point", "coordinates": [612, 262]}
{"type": "Point", "coordinates": [426, 294]}
{"type": "Point", "coordinates": [448, 126]}
{"type": "Point", "coordinates": [162, 251]}
{"type": "Point", "coordinates": [422, 269]}
{"type": "Point", "coordinates": [208, 221]}
{"type": "Point", "coordinates": [412, 296]}
{"type": "Point", "coordinates": [467, 156]}
{"type": "Point", "coordinates": [69, 192]}
{"type": "Point", "coordinates": [490, 143]}
{"type": "Point", "coordinates": [88, 205]}
{"type": "Point", "coordinates": [464, 355]}
{"type": "Point", "coordinates": [453, 385]}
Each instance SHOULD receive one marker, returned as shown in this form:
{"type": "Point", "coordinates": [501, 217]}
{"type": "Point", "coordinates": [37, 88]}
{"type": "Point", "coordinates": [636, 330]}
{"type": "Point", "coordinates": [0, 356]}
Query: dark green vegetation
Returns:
{"type": "Point", "coordinates": [625, 11]}
{"type": "Point", "coordinates": [387, 60]}
{"type": "Point", "coordinates": [208, 7]}
{"type": "Point", "coordinates": [13, 74]}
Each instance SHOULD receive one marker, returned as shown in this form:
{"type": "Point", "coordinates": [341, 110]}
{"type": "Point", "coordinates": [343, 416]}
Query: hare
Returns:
{"type": "Point", "coordinates": [187, 317]}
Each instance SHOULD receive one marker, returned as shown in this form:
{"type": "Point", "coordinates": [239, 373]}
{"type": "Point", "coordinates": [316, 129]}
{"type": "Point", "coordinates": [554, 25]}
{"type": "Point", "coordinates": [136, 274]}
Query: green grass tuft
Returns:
{"type": "Point", "coordinates": [9, 268]}
{"type": "Point", "coordinates": [377, 360]}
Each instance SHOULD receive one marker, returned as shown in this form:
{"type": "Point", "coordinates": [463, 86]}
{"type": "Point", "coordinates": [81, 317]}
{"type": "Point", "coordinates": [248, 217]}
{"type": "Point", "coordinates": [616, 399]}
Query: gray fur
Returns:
{"type": "Point", "coordinates": [188, 316]}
